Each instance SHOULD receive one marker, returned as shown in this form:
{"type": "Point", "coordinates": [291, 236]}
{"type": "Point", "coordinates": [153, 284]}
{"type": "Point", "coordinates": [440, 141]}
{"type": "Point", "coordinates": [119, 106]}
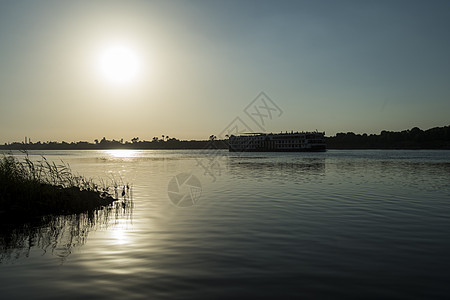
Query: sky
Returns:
{"type": "Point", "coordinates": [83, 70]}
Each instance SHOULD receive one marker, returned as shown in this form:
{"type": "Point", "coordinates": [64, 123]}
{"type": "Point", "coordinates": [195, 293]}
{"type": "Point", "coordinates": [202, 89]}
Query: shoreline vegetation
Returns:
{"type": "Point", "coordinates": [415, 138]}
{"type": "Point", "coordinates": [32, 189]}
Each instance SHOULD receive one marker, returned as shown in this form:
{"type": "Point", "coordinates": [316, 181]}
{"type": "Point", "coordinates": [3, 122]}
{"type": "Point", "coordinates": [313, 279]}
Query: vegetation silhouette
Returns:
{"type": "Point", "coordinates": [156, 143]}
{"type": "Point", "coordinates": [30, 189]}
{"type": "Point", "coordinates": [415, 138]}
{"type": "Point", "coordinates": [45, 206]}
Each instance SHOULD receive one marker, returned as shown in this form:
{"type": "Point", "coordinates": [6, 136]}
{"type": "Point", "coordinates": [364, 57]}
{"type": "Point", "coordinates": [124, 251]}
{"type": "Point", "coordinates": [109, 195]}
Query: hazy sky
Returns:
{"type": "Point", "coordinates": [335, 66]}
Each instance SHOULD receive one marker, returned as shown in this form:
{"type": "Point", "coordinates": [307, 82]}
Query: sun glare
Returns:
{"type": "Point", "coordinates": [122, 153]}
{"type": "Point", "coordinates": [119, 64]}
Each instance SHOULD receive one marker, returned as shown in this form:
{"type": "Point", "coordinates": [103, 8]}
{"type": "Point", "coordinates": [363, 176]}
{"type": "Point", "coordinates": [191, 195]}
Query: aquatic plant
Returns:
{"type": "Point", "coordinates": [36, 188]}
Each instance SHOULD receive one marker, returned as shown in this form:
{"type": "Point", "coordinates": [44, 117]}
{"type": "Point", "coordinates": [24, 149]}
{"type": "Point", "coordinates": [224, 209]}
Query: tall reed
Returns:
{"type": "Point", "coordinates": [30, 188]}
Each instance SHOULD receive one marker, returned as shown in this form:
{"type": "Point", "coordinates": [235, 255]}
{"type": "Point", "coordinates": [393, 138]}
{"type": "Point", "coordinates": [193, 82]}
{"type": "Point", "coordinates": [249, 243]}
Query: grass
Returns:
{"type": "Point", "coordinates": [33, 189]}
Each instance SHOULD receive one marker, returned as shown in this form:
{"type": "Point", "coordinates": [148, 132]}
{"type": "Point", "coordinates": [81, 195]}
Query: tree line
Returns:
{"type": "Point", "coordinates": [165, 142]}
{"type": "Point", "coordinates": [415, 138]}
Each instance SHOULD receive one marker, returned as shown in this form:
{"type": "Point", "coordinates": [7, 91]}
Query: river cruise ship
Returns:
{"type": "Point", "coordinates": [278, 142]}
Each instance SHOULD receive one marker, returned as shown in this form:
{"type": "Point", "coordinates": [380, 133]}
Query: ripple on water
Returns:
{"type": "Point", "coordinates": [318, 225]}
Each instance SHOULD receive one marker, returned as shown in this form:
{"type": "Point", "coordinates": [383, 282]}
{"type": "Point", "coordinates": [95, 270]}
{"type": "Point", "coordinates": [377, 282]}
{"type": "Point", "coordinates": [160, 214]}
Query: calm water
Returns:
{"type": "Point", "coordinates": [340, 224]}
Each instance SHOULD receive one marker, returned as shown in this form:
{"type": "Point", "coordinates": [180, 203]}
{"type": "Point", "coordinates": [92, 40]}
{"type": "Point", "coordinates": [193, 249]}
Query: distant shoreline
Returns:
{"type": "Point", "coordinates": [24, 147]}
{"type": "Point", "coordinates": [437, 138]}
{"type": "Point", "coordinates": [93, 149]}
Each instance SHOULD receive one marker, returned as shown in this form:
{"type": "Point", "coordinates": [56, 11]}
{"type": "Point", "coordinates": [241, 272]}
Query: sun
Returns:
{"type": "Point", "coordinates": [119, 64]}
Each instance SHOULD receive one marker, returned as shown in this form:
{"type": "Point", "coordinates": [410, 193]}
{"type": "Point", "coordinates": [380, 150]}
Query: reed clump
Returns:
{"type": "Point", "coordinates": [36, 188]}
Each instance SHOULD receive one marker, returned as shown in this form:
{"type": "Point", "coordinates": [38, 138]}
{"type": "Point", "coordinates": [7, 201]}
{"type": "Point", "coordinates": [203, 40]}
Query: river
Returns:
{"type": "Point", "coordinates": [219, 225]}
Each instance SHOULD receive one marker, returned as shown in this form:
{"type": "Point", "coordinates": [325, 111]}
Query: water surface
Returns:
{"type": "Point", "coordinates": [340, 224]}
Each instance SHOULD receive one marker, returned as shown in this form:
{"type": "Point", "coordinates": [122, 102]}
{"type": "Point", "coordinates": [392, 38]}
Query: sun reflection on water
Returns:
{"type": "Point", "coordinates": [122, 153]}
{"type": "Point", "coordinates": [119, 236]}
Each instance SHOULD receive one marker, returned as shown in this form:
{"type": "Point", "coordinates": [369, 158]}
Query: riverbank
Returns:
{"type": "Point", "coordinates": [412, 139]}
{"type": "Point", "coordinates": [32, 189]}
